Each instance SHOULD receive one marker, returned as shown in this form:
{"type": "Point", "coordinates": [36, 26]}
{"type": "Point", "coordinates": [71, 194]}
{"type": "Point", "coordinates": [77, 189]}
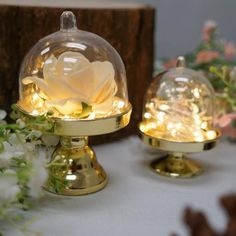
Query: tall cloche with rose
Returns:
{"type": "Point", "coordinates": [73, 73]}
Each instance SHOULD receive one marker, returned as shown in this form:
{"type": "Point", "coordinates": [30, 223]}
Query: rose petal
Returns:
{"type": "Point", "coordinates": [40, 83]}
{"type": "Point", "coordinates": [83, 82]}
{"type": "Point", "coordinates": [61, 89]}
{"type": "Point", "coordinates": [68, 62]}
{"type": "Point", "coordinates": [66, 106]}
{"type": "Point", "coordinates": [102, 108]}
{"type": "Point", "coordinates": [49, 68]}
{"type": "Point", "coordinates": [107, 92]}
{"type": "Point", "coordinates": [103, 72]}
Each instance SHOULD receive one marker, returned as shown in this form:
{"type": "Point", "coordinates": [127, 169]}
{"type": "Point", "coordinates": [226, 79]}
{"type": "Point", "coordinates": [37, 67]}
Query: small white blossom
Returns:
{"type": "Point", "coordinates": [3, 114]}
{"type": "Point", "coordinates": [34, 134]}
{"type": "Point", "coordinates": [50, 140]}
{"type": "Point", "coordinates": [38, 175]}
{"type": "Point", "coordinates": [17, 143]}
{"type": "Point", "coordinates": [21, 123]}
{"type": "Point", "coordinates": [8, 187]}
{"type": "Point", "coordinates": [8, 153]}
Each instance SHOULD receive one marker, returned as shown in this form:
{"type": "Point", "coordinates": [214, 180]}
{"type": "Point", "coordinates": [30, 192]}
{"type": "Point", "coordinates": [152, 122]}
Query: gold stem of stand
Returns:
{"type": "Point", "coordinates": [74, 169]}
{"type": "Point", "coordinates": [176, 165]}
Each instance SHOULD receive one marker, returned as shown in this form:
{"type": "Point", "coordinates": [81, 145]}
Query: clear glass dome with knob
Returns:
{"type": "Point", "coordinates": [179, 106]}
{"type": "Point", "coordinates": [73, 74]}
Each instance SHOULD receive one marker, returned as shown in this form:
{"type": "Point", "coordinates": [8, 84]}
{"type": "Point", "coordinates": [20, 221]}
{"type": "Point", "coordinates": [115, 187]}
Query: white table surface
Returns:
{"type": "Point", "coordinates": [137, 201]}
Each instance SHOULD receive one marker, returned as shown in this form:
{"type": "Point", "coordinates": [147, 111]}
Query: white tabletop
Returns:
{"type": "Point", "coordinates": [136, 200]}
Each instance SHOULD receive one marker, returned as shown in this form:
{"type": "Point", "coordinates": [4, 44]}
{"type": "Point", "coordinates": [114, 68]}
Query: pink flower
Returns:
{"type": "Point", "coordinates": [226, 119]}
{"type": "Point", "coordinates": [208, 29]}
{"type": "Point", "coordinates": [224, 123]}
{"type": "Point", "coordinates": [206, 56]}
{"type": "Point", "coordinates": [229, 50]}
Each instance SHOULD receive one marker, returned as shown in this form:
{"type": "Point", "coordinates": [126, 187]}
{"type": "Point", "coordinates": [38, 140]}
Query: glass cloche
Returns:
{"type": "Point", "coordinates": [73, 74]}
{"type": "Point", "coordinates": [179, 106]}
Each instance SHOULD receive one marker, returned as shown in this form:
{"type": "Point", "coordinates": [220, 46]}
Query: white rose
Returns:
{"type": "Point", "coordinates": [72, 79]}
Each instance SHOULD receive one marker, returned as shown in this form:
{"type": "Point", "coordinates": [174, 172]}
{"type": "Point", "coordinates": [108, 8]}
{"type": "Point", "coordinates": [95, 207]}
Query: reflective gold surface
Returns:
{"type": "Point", "coordinates": [84, 127]}
{"type": "Point", "coordinates": [176, 164]}
{"type": "Point", "coordinates": [173, 146]}
{"type": "Point", "coordinates": [176, 167]}
{"type": "Point", "coordinates": [92, 127]}
{"type": "Point", "coordinates": [73, 169]}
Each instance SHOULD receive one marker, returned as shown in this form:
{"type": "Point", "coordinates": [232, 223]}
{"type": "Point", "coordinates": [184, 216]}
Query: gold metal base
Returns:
{"type": "Point", "coordinates": [176, 163]}
{"type": "Point", "coordinates": [74, 169]}
{"type": "Point", "coordinates": [176, 166]}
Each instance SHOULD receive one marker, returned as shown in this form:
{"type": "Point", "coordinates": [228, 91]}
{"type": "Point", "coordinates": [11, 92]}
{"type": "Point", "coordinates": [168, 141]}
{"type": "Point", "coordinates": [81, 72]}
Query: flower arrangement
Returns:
{"type": "Point", "coordinates": [22, 166]}
{"type": "Point", "coordinates": [70, 86]}
{"type": "Point", "coordinates": [215, 58]}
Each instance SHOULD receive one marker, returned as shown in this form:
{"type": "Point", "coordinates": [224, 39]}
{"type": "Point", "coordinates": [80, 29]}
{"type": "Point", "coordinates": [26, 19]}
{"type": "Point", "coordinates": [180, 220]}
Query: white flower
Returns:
{"type": "Point", "coordinates": [50, 140]}
{"type": "Point", "coordinates": [21, 123]}
{"type": "Point", "coordinates": [3, 114]}
{"type": "Point", "coordinates": [19, 145]}
{"type": "Point", "coordinates": [8, 187]}
{"type": "Point", "coordinates": [72, 79]}
{"type": "Point", "coordinates": [8, 153]}
{"type": "Point", "coordinates": [210, 24]}
{"type": "Point", "coordinates": [38, 175]}
{"type": "Point", "coordinates": [34, 134]}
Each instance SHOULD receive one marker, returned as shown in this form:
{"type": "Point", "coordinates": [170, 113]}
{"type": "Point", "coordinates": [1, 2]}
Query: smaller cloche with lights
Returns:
{"type": "Point", "coordinates": [178, 113]}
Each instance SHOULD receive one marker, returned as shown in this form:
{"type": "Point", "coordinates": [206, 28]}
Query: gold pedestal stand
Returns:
{"type": "Point", "coordinates": [176, 164]}
{"type": "Point", "coordinates": [74, 169]}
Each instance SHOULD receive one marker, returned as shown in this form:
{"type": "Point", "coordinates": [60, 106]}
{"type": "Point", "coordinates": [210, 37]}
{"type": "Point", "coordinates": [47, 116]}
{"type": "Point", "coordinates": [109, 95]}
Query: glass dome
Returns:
{"type": "Point", "coordinates": [179, 106]}
{"type": "Point", "coordinates": [73, 74]}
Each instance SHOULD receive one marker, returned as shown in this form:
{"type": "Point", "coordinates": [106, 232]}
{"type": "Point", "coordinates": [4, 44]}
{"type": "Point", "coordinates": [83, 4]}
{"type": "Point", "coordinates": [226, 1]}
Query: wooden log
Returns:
{"type": "Point", "coordinates": [130, 30]}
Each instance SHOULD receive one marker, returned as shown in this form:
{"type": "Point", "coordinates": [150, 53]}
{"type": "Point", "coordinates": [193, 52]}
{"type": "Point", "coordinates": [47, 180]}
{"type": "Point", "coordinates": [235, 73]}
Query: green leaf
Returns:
{"type": "Point", "coordinates": [86, 110]}
{"type": "Point", "coordinates": [14, 107]}
{"type": "Point", "coordinates": [57, 184]}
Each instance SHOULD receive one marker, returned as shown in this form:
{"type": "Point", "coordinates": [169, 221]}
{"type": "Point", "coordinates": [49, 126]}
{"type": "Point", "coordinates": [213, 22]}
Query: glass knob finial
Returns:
{"type": "Point", "coordinates": [180, 62]}
{"type": "Point", "coordinates": [68, 21]}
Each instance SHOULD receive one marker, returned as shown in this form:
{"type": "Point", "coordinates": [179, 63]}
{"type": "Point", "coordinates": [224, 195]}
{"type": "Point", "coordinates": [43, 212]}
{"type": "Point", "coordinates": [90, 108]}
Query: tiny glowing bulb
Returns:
{"type": "Point", "coordinates": [164, 107]}
{"type": "Point", "coordinates": [196, 93]}
{"type": "Point", "coordinates": [204, 125]}
{"type": "Point", "coordinates": [198, 136]}
{"type": "Point", "coordinates": [35, 97]}
{"type": "Point", "coordinates": [160, 116]}
{"type": "Point", "coordinates": [35, 112]}
{"type": "Point", "coordinates": [120, 104]}
{"type": "Point", "coordinates": [147, 115]}
{"type": "Point", "coordinates": [211, 134]}
{"type": "Point", "coordinates": [170, 126]}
